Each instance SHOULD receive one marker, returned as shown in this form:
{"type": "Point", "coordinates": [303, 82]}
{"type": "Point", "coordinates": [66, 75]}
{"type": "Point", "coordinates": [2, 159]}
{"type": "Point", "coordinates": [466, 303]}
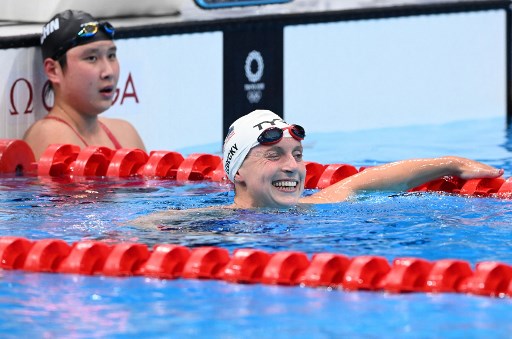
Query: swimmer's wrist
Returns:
{"type": "Point", "coordinates": [452, 165]}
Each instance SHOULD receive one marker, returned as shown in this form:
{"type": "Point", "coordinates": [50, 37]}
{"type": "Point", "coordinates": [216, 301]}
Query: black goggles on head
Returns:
{"type": "Point", "coordinates": [273, 135]}
{"type": "Point", "coordinates": [88, 30]}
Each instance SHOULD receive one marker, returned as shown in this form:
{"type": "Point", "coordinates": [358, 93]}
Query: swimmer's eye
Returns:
{"type": "Point", "coordinates": [274, 156]}
{"type": "Point", "coordinates": [297, 156]}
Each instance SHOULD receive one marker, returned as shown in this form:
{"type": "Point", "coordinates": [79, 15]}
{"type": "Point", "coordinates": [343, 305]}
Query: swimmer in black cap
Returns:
{"type": "Point", "coordinates": [79, 59]}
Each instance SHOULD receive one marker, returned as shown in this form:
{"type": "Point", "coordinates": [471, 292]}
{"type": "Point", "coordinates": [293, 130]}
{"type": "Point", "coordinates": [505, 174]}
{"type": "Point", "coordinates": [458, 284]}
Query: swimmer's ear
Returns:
{"type": "Point", "coordinates": [52, 69]}
{"type": "Point", "coordinates": [239, 178]}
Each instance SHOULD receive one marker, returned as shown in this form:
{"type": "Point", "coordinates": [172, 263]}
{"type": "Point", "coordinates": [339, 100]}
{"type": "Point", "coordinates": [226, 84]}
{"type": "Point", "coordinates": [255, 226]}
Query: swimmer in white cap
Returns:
{"type": "Point", "coordinates": [263, 158]}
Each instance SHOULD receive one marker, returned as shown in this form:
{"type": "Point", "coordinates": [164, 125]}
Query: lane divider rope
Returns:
{"type": "Point", "coordinates": [253, 266]}
{"type": "Point", "coordinates": [65, 160]}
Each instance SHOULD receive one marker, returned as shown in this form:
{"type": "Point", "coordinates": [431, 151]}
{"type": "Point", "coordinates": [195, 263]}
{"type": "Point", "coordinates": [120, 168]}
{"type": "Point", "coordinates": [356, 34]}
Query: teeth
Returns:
{"type": "Point", "coordinates": [285, 184]}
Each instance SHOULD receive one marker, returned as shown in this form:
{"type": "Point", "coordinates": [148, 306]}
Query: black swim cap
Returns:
{"type": "Point", "coordinates": [60, 33]}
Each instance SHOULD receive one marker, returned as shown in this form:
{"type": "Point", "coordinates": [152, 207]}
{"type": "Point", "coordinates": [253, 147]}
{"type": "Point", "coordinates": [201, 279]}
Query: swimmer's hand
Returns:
{"type": "Point", "coordinates": [470, 169]}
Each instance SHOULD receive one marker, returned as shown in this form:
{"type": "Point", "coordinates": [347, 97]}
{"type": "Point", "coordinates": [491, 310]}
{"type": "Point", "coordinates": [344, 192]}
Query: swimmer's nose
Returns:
{"type": "Point", "coordinates": [290, 164]}
{"type": "Point", "coordinates": [108, 69]}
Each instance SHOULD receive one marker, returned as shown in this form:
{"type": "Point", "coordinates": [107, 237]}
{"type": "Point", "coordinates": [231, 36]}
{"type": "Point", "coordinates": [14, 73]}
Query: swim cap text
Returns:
{"type": "Point", "coordinates": [230, 155]}
{"type": "Point", "coordinates": [49, 28]}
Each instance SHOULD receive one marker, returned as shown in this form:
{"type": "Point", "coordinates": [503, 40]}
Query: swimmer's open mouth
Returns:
{"type": "Point", "coordinates": [107, 90]}
{"type": "Point", "coordinates": [289, 185]}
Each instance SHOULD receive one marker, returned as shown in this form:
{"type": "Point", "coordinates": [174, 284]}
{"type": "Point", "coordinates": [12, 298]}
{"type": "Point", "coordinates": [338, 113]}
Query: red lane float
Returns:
{"type": "Point", "coordinates": [85, 257]}
{"type": "Point", "coordinates": [56, 160]}
{"type": "Point", "coordinates": [365, 273]}
{"type": "Point", "coordinates": [447, 275]}
{"type": "Point", "coordinates": [126, 162]}
{"type": "Point", "coordinates": [407, 275]}
{"type": "Point", "coordinates": [246, 266]}
{"type": "Point", "coordinates": [16, 156]}
{"type": "Point", "coordinates": [285, 268]}
{"type": "Point", "coordinates": [482, 187]}
{"type": "Point", "coordinates": [68, 160]}
{"type": "Point", "coordinates": [125, 259]}
{"type": "Point", "coordinates": [166, 261]}
{"type": "Point", "coordinates": [13, 252]}
{"type": "Point", "coordinates": [314, 171]}
{"type": "Point", "coordinates": [505, 190]}
{"type": "Point", "coordinates": [92, 161]}
{"type": "Point", "coordinates": [206, 263]}
{"type": "Point", "coordinates": [489, 279]}
{"type": "Point", "coordinates": [46, 255]}
{"type": "Point", "coordinates": [334, 173]}
{"type": "Point", "coordinates": [325, 269]}
{"type": "Point", "coordinates": [218, 174]}
{"type": "Point", "coordinates": [198, 167]}
{"type": "Point", "coordinates": [446, 184]}
{"type": "Point", "coordinates": [162, 164]}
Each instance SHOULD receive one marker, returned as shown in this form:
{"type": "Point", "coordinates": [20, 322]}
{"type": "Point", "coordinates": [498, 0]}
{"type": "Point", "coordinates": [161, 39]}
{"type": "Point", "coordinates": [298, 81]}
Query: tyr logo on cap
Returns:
{"type": "Point", "coordinates": [271, 122]}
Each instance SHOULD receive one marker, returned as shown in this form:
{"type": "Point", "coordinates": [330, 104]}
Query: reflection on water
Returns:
{"type": "Point", "coordinates": [76, 307]}
{"type": "Point", "coordinates": [96, 307]}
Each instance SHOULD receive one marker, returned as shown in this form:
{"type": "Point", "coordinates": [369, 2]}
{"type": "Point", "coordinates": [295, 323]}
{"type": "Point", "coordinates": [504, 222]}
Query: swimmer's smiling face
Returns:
{"type": "Point", "coordinates": [271, 176]}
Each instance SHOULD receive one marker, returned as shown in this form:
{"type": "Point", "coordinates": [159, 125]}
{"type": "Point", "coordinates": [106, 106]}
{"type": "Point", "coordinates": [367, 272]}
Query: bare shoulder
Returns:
{"type": "Point", "coordinates": [125, 132]}
{"type": "Point", "coordinates": [45, 132]}
{"type": "Point", "coordinates": [42, 126]}
{"type": "Point", "coordinates": [117, 124]}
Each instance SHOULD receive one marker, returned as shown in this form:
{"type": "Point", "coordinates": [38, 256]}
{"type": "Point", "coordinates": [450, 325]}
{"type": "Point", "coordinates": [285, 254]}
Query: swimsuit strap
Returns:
{"type": "Point", "coordinates": [67, 123]}
{"type": "Point", "coordinates": [110, 135]}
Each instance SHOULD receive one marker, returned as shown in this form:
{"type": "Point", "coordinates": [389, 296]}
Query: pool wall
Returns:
{"type": "Point", "coordinates": [331, 71]}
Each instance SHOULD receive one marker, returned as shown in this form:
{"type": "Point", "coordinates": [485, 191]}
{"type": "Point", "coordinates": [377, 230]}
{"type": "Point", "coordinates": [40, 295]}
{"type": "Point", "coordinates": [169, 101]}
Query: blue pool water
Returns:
{"type": "Point", "coordinates": [428, 225]}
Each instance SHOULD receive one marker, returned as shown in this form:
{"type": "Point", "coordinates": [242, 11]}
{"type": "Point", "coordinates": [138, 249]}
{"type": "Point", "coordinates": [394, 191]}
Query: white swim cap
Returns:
{"type": "Point", "coordinates": [243, 136]}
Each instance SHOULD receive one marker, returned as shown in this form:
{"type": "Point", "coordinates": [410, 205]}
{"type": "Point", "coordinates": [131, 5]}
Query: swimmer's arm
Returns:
{"type": "Point", "coordinates": [154, 219]}
{"type": "Point", "coordinates": [403, 175]}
